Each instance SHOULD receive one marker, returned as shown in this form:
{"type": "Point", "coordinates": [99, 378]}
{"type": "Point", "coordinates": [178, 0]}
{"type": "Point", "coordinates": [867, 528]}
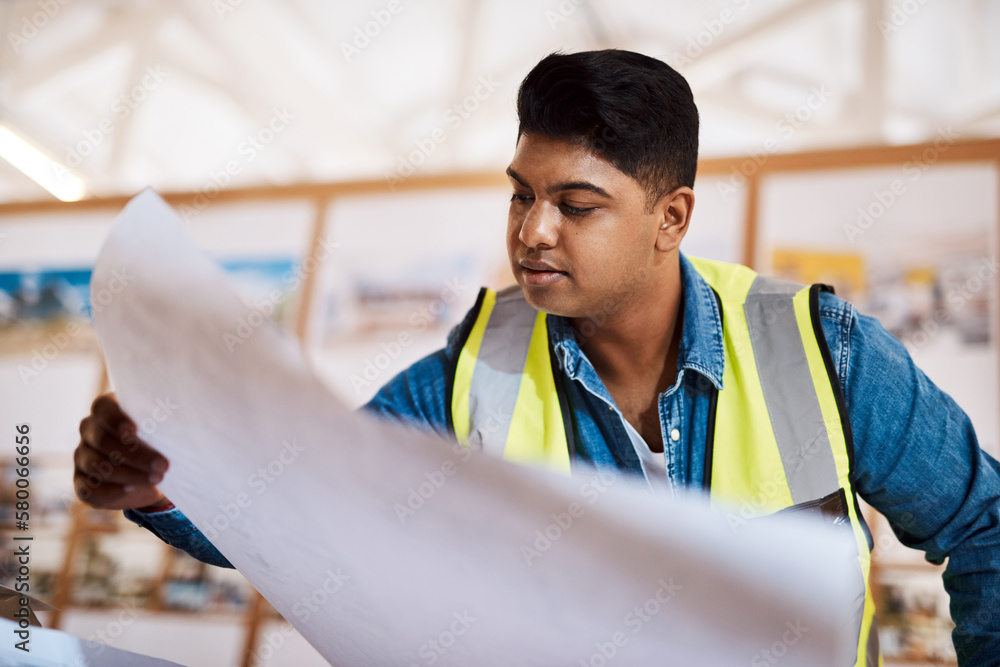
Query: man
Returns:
{"type": "Point", "coordinates": [618, 351]}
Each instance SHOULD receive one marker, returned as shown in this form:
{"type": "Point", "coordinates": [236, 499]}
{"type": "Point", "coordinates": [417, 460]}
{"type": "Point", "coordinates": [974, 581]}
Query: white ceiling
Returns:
{"type": "Point", "coordinates": [169, 93]}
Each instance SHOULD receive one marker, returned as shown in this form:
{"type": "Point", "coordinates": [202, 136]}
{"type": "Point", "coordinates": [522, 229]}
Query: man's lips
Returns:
{"type": "Point", "coordinates": [540, 274]}
{"type": "Point", "coordinates": [540, 267]}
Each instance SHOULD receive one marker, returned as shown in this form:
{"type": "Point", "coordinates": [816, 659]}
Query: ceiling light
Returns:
{"type": "Point", "coordinates": [40, 168]}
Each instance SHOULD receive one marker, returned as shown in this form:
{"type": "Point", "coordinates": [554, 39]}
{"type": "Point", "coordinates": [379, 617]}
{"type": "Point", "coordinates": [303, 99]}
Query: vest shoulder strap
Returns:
{"type": "Point", "coordinates": [782, 337]}
{"type": "Point", "coordinates": [507, 395]}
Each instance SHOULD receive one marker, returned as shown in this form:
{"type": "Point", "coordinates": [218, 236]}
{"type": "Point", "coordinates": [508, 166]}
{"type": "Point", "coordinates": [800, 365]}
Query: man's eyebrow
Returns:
{"type": "Point", "coordinates": [568, 185]}
{"type": "Point", "coordinates": [513, 174]}
{"type": "Point", "coordinates": [580, 185]}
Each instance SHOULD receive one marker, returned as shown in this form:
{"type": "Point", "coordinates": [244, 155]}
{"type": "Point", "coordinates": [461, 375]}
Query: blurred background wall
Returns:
{"type": "Point", "coordinates": [350, 155]}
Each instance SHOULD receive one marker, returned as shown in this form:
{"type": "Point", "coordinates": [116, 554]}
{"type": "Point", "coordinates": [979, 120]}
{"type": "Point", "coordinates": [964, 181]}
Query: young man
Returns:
{"type": "Point", "coordinates": [618, 351]}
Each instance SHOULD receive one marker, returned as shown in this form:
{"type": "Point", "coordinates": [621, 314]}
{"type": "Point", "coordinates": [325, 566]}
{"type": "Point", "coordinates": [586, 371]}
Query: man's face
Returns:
{"type": "Point", "coordinates": [580, 239]}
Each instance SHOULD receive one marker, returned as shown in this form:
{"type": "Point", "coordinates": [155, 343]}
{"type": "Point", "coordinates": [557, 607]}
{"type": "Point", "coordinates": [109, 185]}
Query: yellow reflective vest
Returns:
{"type": "Point", "coordinates": [779, 437]}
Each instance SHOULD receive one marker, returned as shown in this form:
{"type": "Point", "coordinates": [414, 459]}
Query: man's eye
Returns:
{"type": "Point", "coordinates": [520, 198]}
{"type": "Point", "coordinates": [573, 210]}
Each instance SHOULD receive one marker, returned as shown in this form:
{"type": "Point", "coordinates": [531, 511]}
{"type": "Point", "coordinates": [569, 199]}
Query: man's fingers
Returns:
{"type": "Point", "coordinates": [113, 468]}
{"type": "Point", "coordinates": [106, 495]}
{"type": "Point", "coordinates": [122, 447]}
{"type": "Point", "coordinates": [107, 411]}
{"type": "Point", "coordinates": [99, 468]}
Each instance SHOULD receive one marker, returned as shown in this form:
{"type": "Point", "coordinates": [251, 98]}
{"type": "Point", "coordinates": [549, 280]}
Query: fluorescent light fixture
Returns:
{"type": "Point", "coordinates": [40, 168]}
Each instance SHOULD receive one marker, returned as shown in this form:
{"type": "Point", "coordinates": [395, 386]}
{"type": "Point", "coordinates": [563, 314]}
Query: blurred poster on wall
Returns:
{"type": "Point", "coordinates": [913, 245]}
{"type": "Point", "coordinates": [45, 301]}
{"type": "Point", "coordinates": [408, 267]}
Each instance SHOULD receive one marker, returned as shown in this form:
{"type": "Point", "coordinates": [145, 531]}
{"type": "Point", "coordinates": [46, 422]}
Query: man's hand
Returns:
{"type": "Point", "coordinates": [113, 469]}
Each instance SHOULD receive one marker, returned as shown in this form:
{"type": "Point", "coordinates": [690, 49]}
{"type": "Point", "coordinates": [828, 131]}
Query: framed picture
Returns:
{"type": "Point", "coordinates": [381, 304]}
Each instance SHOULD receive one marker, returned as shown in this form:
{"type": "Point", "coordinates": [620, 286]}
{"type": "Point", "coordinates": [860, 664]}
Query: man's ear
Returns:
{"type": "Point", "coordinates": [673, 214]}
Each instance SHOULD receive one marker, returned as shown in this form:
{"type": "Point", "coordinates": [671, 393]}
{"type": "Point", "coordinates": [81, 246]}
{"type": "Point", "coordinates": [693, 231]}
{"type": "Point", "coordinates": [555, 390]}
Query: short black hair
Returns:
{"type": "Point", "coordinates": [635, 111]}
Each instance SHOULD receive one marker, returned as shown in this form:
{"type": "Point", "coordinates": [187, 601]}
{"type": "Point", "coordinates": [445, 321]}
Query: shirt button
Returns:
{"type": "Point", "coordinates": [675, 435]}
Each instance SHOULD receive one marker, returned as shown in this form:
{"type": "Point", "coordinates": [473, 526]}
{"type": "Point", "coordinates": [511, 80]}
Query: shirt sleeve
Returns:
{"type": "Point", "coordinates": [175, 529]}
{"type": "Point", "coordinates": [417, 397]}
{"type": "Point", "coordinates": [917, 461]}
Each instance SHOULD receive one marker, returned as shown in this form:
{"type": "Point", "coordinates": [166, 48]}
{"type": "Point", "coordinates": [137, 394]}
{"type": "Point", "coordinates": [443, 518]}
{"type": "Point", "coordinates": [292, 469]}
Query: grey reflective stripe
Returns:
{"type": "Point", "coordinates": [873, 650]}
{"type": "Point", "coordinates": [789, 392]}
{"type": "Point", "coordinates": [496, 379]}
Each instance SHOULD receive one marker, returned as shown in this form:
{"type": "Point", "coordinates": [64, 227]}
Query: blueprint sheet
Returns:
{"type": "Point", "coordinates": [384, 546]}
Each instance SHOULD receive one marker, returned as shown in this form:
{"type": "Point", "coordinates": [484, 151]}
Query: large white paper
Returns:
{"type": "Point", "coordinates": [495, 564]}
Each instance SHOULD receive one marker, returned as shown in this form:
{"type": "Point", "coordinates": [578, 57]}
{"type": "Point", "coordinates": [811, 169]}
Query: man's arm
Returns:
{"type": "Point", "coordinates": [417, 397]}
{"type": "Point", "coordinates": [171, 526]}
{"type": "Point", "coordinates": [114, 469]}
{"type": "Point", "coordinates": [918, 462]}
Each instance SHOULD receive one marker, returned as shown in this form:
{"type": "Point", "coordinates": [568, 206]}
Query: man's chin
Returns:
{"type": "Point", "coordinates": [551, 300]}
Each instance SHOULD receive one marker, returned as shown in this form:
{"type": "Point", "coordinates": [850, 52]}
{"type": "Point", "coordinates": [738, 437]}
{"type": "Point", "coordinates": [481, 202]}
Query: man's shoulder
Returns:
{"type": "Point", "coordinates": [833, 307]}
{"type": "Point", "coordinates": [418, 395]}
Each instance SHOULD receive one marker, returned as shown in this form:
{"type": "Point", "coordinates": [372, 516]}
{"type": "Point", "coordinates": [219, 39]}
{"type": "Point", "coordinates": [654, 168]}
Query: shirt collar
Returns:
{"type": "Point", "coordinates": [701, 347]}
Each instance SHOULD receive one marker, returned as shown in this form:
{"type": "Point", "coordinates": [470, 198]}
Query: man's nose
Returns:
{"type": "Point", "coordinates": [540, 226]}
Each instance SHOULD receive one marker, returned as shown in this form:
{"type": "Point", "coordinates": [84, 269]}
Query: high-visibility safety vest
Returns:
{"type": "Point", "coordinates": [779, 437]}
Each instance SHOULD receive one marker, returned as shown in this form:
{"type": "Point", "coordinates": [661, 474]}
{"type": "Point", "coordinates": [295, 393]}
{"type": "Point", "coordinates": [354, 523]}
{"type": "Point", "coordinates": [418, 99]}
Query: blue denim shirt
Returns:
{"type": "Point", "coordinates": [917, 459]}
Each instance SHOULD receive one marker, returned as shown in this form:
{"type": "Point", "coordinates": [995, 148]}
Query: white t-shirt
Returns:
{"type": "Point", "coordinates": [654, 464]}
